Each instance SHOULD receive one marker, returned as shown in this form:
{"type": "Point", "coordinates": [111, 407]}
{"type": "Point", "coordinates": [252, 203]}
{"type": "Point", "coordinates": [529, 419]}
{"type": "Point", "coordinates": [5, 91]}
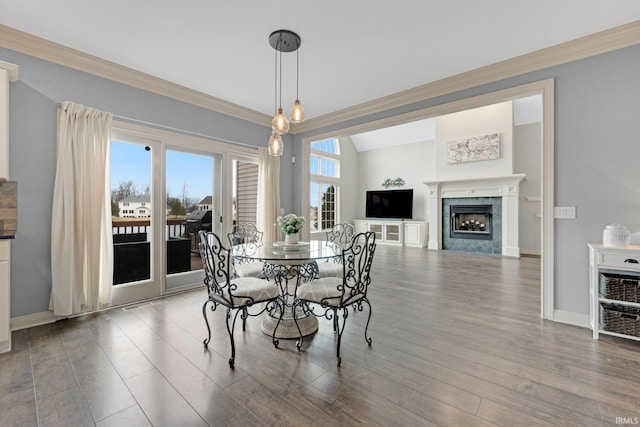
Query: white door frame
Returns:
{"type": "Point", "coordinates": [545, 88]}
{"type": "Point", "coordinates": [175, 140]}
{"type": "Point", "coordinates": [151, 288]}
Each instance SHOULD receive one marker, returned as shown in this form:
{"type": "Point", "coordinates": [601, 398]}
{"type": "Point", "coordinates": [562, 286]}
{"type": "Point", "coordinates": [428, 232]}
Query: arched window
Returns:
{"type": "Point", "coordinates": [324, 169]}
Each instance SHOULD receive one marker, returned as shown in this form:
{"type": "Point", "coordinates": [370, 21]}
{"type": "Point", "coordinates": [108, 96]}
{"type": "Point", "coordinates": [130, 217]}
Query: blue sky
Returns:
{"type": "Point", "coordinates": [131, 162]}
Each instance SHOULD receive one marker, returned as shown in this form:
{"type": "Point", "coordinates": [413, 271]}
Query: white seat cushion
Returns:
{"type": "Point", "coordinates": [251, 288]}
{"type": "Point", "coordinates": [320, 290]}
{"type": "Point", "coordinates": [330, 269]}
{"type": "Point", "coordinates": [249, 269]}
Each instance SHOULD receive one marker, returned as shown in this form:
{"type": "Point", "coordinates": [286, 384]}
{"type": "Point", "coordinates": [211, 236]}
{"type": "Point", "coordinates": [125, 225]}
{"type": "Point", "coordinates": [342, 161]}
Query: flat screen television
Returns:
{"type": "Point", "coordinates": [393, 204]}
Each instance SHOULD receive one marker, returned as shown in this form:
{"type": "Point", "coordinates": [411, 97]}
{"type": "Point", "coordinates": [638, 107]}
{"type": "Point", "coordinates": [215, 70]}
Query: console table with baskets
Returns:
{"type": "Point", "coordinates": [614, 278]}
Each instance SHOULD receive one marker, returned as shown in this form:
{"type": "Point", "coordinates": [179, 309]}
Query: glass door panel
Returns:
{"type": "Point", "coordinates": [133, 217]}
{"type": "Point", "coordinates": [193, 204]}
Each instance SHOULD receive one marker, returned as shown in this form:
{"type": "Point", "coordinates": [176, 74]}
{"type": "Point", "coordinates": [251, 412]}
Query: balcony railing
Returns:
{"type": "Point", "coordinates": [175, 226]}
{"type": "Point", "coordinates": [132, 250]}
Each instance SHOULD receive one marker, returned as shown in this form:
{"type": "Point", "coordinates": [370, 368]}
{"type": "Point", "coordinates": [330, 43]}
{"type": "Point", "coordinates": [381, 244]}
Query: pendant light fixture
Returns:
{"type": "Point", "coordinates": [276, 146]}
{"type": "Point", "coordinates": [283, 41]}
{"type": "Point", "coordinates": [297, 112]}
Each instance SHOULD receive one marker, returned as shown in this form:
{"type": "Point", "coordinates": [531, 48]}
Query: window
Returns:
{"type": "Point", "coordinates": [172, 175]}
{"type": "Point", "coordinates": [324, 169]}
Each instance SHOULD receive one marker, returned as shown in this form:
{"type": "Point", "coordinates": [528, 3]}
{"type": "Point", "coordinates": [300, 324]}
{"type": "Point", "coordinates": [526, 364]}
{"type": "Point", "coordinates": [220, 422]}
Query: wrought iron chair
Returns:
{"type": "Point", "coordinates": [246, 232]}
{"type": "Point", "coordinates": [336, 294]}
{"type": "Point", "coordinates": [341, 235]}
{"type": "Point", "coordinates": [237, 294]}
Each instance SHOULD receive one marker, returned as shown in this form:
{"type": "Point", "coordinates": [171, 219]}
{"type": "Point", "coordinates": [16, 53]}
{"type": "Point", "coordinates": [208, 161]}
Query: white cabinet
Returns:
{"type": "Point", "coordinates": [415, 233]}
{"type": "Point", "coordinates": [5, 297]}
{"type": "Point", "coordinates": [614, 288]}
{"type": "Point", "coordinates": [391, 233]}
{"type": "Point", "coordinates": [377, 229]}
{"type": "Point", "coordinates": [399, 233]}
{"type": "Point", "coordinates": [386, 232]}
{"type": "Point", "coordinates": [8, 73]}
{"type": "Point", "coordinates": [361, 225]}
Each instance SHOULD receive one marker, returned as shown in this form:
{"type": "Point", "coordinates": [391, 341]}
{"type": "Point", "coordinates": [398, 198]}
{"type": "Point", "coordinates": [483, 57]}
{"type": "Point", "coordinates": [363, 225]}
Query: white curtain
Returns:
{"type": "Point", "coordinates": [81, 234]}
{"type": "Point", "coordinates": [268, 194]}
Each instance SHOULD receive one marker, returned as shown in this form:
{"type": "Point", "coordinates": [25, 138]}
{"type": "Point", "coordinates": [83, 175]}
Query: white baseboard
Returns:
{"type": "Point", "coordinates": [530, 252]}
{"type": "Point", "coordinates": [31, 320]}
{"type": "Point", "coordinates": [570, 318]}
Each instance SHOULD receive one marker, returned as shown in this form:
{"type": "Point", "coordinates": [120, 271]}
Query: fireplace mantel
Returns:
{"type": "Point", "coordinates": [506, 187]}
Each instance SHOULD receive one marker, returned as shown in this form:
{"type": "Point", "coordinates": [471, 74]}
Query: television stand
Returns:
{"type": "Point", "coordinates": [394, 232]}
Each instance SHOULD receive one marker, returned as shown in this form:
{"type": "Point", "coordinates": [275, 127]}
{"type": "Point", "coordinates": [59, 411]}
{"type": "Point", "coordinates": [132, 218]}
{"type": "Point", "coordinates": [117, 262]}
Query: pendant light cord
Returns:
{"type": "Point", "coordinates": [297, 69]}
{"type": "Point", "coordinates": [280, 73]}
{"type": "Point", "coordinates": [275, 83]}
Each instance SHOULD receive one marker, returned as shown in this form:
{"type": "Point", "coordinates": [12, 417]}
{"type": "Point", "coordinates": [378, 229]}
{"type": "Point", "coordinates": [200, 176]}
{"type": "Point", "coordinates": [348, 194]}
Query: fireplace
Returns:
{"type": "Point", "coordinates": [471, 222]}
{"type": "Point", "coordinates": [501, 192]}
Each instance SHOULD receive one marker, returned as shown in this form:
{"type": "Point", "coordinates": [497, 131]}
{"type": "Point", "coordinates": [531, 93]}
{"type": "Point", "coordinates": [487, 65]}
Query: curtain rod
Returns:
{"type": "Point", "coordinates": [186, 132]}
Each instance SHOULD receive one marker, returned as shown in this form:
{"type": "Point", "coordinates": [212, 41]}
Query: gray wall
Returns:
{"type": "Point", "coordinates": [597, 147]}
{"type": "Point", "coordinates": [527, 159]}
{"type": "Point", "coordinates": [596, 136]}
{"type": "Point", "coordinates": [34, 100]}
{"type": "Point", "coordinates": [348, 180]}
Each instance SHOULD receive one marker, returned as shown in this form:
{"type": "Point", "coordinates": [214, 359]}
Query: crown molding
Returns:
{"type": "Point", "coordinates": [503, 95]}
{"type": "Point", "coordinates": [584, 47]}
{"type": "Point", "coordinates": [12, 70]}
{"type": "Point", "coordinates": [38, 47]}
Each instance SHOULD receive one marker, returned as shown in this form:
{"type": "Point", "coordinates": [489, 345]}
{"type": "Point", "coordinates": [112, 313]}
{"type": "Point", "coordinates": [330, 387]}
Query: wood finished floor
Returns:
{"type": "Point", "coordinates": [457, 341]}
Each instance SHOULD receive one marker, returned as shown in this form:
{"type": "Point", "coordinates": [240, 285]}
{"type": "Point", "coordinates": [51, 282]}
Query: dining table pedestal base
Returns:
{"type": "Point", "coordinates": [288, 275]}
{"type": "Point", "coordinates": [287, 328]}
{"type": "Point", "coordinates": [288, 265]}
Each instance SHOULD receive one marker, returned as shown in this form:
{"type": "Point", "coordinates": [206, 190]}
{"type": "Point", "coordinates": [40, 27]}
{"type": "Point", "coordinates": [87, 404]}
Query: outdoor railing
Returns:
{"type": "Point", "coordinates": [175, 227]}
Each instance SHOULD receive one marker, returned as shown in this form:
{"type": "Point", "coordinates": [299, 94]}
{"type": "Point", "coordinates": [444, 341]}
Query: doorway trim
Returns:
{"type": "Point", "coordinates": [545, 88]}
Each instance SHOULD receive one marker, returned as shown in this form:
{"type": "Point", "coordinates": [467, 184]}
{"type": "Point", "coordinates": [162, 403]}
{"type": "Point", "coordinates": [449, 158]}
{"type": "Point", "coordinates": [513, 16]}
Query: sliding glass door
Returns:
{"type": "Point", "coordinates": [165, 188]}
{"type": "Point", "coordinates": [194, 203]}
{"type": "Point", "coordinates": [135, 217]}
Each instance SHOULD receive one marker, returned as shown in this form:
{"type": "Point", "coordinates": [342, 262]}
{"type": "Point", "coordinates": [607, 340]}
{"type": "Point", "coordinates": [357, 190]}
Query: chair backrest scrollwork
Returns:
{"type": "Point", "coordinates": [341, 233]}
{"type": "Point", "coordinates": [244, 232]}
{"type": "Point", "coordinates": [215, 260]}
{"type": "Point", "coordinates": [357, 260]}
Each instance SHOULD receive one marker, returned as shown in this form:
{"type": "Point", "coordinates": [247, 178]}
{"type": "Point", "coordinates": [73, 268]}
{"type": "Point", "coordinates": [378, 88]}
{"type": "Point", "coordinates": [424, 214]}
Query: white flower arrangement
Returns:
{"type": "Point", "coordinates": [290, 223]}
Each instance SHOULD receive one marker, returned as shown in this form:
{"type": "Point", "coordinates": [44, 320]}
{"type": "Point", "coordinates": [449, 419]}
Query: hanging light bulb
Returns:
{"type": "Point", "coordinates": [280, 123]}
{"type": "Point", "coordinates": [297, 112]}
{"type": "Point", "coordinates": [276, 146]}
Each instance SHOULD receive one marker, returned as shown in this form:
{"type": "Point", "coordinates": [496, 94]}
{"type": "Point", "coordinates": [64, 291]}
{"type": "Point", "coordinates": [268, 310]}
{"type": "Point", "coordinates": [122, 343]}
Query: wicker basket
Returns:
{"type": "Point", "coordinates": [620, 287]}
{"type": "Point", "coordinates": [620, 319]}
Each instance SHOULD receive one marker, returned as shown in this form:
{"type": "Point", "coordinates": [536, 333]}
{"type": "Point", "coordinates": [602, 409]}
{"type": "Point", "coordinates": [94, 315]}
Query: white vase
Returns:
{"type": "Point", "coordinates": [291, 239]}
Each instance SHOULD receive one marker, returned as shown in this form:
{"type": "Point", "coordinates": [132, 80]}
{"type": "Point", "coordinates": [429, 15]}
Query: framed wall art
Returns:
{"type": "Point", "coordinates": [474, 149]}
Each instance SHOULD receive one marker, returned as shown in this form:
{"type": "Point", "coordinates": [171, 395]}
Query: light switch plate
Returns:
{"type": "Point", "coordinates": [564, 212]}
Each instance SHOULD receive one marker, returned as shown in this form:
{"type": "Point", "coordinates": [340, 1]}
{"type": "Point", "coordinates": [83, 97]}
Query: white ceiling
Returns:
{"type": "Point", "coordinates": [525, 110]}
{"type": "Point", "coordinates": [352, 51]}
{"type": "Point", "coordinates": [408, 133]}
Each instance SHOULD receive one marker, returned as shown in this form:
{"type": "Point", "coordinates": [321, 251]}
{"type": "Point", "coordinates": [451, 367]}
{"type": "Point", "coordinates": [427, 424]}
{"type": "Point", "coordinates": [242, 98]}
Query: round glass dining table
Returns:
{"type": "Point", "coordinates": [288, 265]}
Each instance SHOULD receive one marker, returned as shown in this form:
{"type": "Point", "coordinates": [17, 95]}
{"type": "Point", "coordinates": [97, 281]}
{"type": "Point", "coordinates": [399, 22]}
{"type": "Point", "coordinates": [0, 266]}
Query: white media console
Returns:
{"type": "Point", "coordinates": [395, 232]}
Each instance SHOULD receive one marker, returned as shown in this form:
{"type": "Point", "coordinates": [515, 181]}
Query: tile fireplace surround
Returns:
{"type": "Point", "coordinates": [506, 187]}
{"type": "Point", "coordinates": [482, 243]}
